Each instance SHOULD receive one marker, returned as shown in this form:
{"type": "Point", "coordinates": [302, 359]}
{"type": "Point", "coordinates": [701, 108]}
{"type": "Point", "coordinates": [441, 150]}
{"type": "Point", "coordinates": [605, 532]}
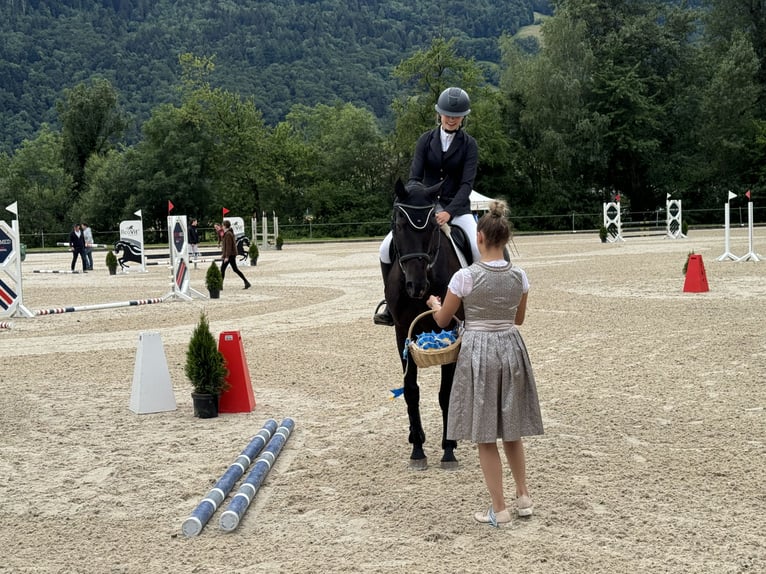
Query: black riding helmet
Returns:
{"type": "Point", "coordinates": [453, 102]}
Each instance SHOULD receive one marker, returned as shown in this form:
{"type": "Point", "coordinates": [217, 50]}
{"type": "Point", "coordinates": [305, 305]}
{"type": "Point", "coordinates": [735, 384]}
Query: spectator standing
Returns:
{"type": "Point", "coordinates": [193, 239]}
{"type": "Point", "coordinates": [87, 234]}
{"type": "Point", "coordinates": [77, 245]}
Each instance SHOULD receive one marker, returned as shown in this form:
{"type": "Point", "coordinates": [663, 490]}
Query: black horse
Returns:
{"type": "Point", "coordinates": [423, 263]}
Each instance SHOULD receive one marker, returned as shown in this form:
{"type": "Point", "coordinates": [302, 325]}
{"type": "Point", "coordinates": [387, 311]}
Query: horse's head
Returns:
{"type": "Point", "coordinates": [416, 234]}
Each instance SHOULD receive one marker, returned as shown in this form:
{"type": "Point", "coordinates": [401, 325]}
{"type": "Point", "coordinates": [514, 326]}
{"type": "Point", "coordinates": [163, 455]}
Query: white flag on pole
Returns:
{"type": "Point", "coordinates": [138, 213]}
{"type": "Point", "coordinates": [14, 208]}
{"type": "Point", "coordinates": [732, 195]}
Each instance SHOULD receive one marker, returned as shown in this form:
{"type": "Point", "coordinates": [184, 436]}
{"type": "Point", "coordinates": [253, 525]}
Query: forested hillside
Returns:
{"type": "Point", "coordinates": [282, 52]}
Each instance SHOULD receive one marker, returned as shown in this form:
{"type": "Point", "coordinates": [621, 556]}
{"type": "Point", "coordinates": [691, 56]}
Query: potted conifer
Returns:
{"type": "Point", "coordinates": [206, 369]}
{"type": "Point", "coordinates": [602, 233]}
{"type": "Point", "coordinates": [111, 262]}
{"type": "Point", "coordinates": [279, 242]}
{"type": "Point", "coordinates": [253, 253]}
{"type": "Point", "coordinates": [213, 280]}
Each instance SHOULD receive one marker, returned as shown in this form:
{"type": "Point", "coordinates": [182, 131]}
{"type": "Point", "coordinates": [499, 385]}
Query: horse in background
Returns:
{"type": "Point", "coordinates": [423, 262]}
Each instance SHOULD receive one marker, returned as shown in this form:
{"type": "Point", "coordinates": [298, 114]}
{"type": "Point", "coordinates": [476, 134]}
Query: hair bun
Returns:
{"type": "Point", "coordinates": [498, 208]}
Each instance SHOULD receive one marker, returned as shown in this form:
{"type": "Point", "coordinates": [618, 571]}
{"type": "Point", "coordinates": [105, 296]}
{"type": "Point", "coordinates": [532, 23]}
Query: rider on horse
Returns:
{"type": "Point", "coordinates": [446, 155]}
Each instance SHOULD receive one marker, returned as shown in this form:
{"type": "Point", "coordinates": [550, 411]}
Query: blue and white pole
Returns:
{"type": "Point", "coordinates": [238, 505]}
{"type": "Point", "coordinates": [205, 509]}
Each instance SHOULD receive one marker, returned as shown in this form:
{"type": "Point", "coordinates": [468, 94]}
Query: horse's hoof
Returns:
{"type": "Point", "coordinates": [418, 463]}
{"type": "Point", "coordinates": [449, 465]}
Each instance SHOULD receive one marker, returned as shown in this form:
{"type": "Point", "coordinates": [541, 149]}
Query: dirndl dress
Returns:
{"type": "Point", "coordinates": [494, 395]}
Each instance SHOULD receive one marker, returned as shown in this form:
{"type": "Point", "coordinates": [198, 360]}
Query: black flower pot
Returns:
{"type": "Point", "coordinates": [214, 293]}
{"type": "Point", "coordinates": [205, 406]}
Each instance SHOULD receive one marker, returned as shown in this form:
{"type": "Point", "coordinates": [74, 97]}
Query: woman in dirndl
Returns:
{"type": "Point", "coordinates": [494, 396]}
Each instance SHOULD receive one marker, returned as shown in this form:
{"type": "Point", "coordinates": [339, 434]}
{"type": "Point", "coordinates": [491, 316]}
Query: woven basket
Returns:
{"type": "Point", "coordinates": [433, 357]}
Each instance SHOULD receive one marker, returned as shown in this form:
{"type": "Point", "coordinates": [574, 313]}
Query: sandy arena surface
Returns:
{"type": "Point", "coordinates": [653, 401]}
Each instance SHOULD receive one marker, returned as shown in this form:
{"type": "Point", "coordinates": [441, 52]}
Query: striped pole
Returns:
{"type": "Point", "coordinates": [238, 505]}
{"type": "Point", "coordinates": [54, 271]}
{"type": "Point", "coordinates": [62, 244]}
{"type": "Point", "coordinates": [6, 325]}
{"type": "Point", "coordinates": [60, 310]}
{"type": "Point", "coordinates": [207, 507]}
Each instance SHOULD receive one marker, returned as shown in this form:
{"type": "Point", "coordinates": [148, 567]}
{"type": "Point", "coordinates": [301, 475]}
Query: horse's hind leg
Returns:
{"type": "Point", "coordinates": [448, 461]}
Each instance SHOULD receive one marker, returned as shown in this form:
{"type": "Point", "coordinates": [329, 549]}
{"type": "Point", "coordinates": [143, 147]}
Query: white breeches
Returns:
{"type": "Point", "coordinates": [466, 222]}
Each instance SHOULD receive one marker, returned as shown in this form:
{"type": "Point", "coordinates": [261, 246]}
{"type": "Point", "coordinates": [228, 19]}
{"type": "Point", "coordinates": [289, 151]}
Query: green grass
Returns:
{"type": "Point", "coordinates": [532, 29]}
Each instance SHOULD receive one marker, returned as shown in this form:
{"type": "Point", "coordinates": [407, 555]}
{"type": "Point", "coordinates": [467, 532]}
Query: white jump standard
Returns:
{"type": "Point", "coordinates": [11, 299]}
{"type": "Point", "coordinates": [751, 255]}
{"type": "Point", "coordinates": [615, 227]}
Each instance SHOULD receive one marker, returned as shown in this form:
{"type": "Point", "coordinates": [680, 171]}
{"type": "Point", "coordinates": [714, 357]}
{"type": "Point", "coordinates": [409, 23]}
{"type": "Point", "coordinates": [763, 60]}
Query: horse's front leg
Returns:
{"type": "Point", "coordinates": [418, 459]}
{"type": "Point", "coordinates": [448, 461]}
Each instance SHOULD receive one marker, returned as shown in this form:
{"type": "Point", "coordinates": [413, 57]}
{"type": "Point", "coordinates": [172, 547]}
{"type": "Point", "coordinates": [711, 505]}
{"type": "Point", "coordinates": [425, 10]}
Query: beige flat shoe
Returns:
{"type": "Point", "coordinates": [524, 506]}
{"type": "Point", "coordinates": [494, 518]}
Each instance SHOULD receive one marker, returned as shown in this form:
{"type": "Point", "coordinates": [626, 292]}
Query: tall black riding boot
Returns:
{"type": "Point", "coordinates": [384, 317]}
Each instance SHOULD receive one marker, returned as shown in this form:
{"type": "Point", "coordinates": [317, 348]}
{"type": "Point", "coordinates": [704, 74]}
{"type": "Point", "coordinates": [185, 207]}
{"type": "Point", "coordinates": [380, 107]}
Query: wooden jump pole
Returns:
{"type": "Point", "coordinates": [207, 507]}
{"type": "Point", "coordinates": [72, 309]}
{"type": "Point", "coordinates": [238, 506]}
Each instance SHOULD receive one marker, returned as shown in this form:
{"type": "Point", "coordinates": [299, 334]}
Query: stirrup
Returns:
{"type": "Point", "coordinates": [383, 317]}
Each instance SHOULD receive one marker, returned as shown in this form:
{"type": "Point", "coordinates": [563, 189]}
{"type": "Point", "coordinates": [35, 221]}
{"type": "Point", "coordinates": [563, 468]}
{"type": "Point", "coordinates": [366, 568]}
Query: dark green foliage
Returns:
{"type": "Point", "coordinates": [213, 277]}
{"type": "Point", "coordinates": [111, 260]}
{"type": "Point", "coordinates": [283, 53]}
{"type": "Point", "coordinates": [205, 365]}
{"type": "Point", "coordinates": [253, 252]}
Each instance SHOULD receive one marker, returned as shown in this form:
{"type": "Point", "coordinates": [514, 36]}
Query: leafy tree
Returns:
{"type": "Point", "coordinates": [35, 178]}
{"type": "Point", "coordinates": [349, 162]}
{"type": "Point", "coordinates": [726, 126]}
{"type": "Point", "coordinates": [91, 122]}
{"type": "Point", "coordinates": [111, 191]}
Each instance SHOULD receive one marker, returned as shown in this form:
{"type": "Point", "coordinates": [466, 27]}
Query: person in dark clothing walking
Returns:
{"type": "Point", "coordinates": [77, 245]}
{"type": "Point", "coordinates": [193, 239]}
{"type": "Point", "coordinates": [229, 252]}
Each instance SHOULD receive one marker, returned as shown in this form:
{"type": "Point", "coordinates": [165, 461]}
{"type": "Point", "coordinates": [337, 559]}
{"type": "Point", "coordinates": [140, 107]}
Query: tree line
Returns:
{"type": "Point", "coordinates": [641, 99]}
{"type": "Point", "coordinates": [279, 52]}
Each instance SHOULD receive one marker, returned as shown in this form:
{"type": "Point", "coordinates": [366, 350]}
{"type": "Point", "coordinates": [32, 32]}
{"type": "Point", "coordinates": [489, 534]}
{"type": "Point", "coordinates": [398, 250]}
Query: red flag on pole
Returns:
{"type": "Point", "coordinates": [170, 206]}
{"type": "Point", "coordinates": [225, 211]}
{"type": "Point", "coordinates": [747, 194]}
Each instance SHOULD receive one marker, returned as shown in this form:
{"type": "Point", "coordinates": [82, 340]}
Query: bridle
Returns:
{"type": "Point", "coordinates": [429, 258]}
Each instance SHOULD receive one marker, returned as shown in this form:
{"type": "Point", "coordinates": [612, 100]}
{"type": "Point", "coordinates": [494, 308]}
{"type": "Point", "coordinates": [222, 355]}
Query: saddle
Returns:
{"type": "Point", "coordinates": [459, 240]}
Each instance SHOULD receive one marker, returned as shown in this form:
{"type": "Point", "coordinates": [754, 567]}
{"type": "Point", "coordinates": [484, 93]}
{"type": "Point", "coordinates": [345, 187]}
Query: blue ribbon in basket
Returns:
{"type": "Point", "coordinates": [431, 340]}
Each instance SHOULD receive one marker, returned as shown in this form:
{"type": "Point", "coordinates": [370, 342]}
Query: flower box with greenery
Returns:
{"type": "Point", "coordinates": [111, 262]}
{"type": "Point", "coordinates": [206, 370]}
{"type": "Point", "coordinates": [214, 280]}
